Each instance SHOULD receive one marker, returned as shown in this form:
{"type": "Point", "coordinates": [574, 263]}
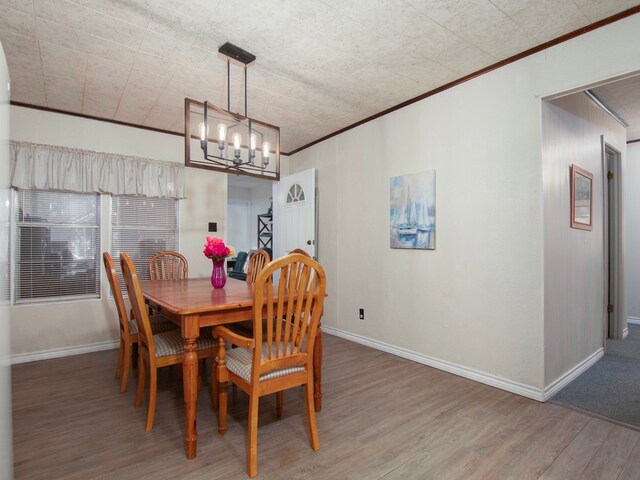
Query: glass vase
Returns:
{"type": "Point", "coordinates": [218, 275]}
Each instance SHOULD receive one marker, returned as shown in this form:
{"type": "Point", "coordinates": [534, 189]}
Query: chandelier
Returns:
{"type": "Point", "coordinates": [231, 142]}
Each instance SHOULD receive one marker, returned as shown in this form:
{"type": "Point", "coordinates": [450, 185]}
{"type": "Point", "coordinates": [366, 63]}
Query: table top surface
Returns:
{"type": "Point", "coordinates": [196, 295]}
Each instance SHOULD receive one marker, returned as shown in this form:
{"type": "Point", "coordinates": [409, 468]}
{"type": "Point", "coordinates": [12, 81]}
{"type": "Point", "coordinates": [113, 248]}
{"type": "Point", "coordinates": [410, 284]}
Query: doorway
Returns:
{"type": "Point", "coordinates": [606, 383]}
{"type": "Point", "coordinates": [248, 201]}
{"type": "Point", "coordinates": [615, 318]}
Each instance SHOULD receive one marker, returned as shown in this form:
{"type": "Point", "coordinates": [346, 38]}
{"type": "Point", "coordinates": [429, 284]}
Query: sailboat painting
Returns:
{"type": "Point", "coordinates": [413, 211]}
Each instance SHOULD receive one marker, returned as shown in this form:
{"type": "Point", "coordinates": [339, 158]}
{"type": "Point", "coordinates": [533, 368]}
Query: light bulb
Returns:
{"type": "Point", "coordinates": [222, 132]}
{"type": "Point", "coordinates": [237, 140]}
{"type": "Point", "coordinates": [252, 148]}
{"type": "Point", "coordinates": [203, 135]}
{"type": "Point", "coordinates": [265, 154]}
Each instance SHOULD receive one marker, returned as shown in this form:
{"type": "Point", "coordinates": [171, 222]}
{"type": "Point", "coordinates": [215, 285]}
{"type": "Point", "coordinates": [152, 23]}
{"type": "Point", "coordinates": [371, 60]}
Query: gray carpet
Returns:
{"type": "Point", "coordinates": [629, 347]}
{"type": "Point", "coordinates": [610, 388]}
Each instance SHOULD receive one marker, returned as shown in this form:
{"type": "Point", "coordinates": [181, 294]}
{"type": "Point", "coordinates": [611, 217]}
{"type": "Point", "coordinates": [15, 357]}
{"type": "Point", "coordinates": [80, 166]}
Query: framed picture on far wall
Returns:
{"type": "Point", "coordinates": [413, 211]}
{"type": "Point", "coordinates": [581, 198]}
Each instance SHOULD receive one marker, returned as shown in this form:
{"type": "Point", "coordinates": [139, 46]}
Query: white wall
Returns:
{"type": "Point", "coordinates": [6, 460]}
{"type": "Point", "coordinates": [476, 304]}
{"type": "Point", "coordinates": [257, 197]}
{"type": "Point", "coordinates": [61, 325]}
{"type": "Point", "coordinates": [633, 132]}
{"type": "Point", "coordinates": [574, 262]}
{"type": "Point", "coordinates": [632, 218]}
{"type": "Point", "coordinates": [239, 221]}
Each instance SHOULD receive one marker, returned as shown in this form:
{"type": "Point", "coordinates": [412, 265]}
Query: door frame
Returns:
{"type": "Point", "coordinates": [615, 325]}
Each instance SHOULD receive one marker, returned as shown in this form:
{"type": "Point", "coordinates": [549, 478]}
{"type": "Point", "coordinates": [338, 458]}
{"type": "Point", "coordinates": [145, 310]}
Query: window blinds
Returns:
{"type": "Point", "coordinates": [142, 227]}
{"type": "Point", "coordinates": [57, 245]}
{"type": "Point", "coordinates": [5, 234]}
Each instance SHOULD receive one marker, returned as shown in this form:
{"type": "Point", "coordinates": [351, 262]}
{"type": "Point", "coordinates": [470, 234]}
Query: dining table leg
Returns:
{"type": "Point", "coordinates": [317, 371]}
{"type": "Point", "coordinates": [190, 332]}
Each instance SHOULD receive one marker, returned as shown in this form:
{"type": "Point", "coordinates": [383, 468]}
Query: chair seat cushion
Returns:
{"type": "Point", "coordinates": [159, 323]}
{"type": "Point", "coordinates": [171, 343]}
{"type": "Point", "coordinates": [239, 362]}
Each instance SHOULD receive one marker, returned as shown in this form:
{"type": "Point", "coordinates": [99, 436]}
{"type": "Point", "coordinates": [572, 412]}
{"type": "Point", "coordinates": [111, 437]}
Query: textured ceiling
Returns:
{"type": "Point", "coordinates": [321, 65]}
{"type": "Point", "coordinates": [623, 97]}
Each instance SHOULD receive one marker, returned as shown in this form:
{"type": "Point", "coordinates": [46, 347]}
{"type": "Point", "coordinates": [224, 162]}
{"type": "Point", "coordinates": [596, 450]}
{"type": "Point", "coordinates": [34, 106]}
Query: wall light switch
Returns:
{"type": "Point", "coordinates": [213, 226]}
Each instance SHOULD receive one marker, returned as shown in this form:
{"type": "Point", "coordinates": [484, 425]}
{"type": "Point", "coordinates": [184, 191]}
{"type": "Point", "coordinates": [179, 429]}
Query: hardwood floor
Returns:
{"type": "Point", "coordinates": [383, 417]}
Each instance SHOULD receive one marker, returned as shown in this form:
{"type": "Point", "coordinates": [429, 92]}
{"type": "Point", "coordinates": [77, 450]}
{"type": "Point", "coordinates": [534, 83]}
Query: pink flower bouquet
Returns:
{"type": "Point", "coordinates": [215, 249]}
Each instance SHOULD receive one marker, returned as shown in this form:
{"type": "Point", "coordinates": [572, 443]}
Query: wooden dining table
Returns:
{"type": "Point", "coordinates": [193, 304]}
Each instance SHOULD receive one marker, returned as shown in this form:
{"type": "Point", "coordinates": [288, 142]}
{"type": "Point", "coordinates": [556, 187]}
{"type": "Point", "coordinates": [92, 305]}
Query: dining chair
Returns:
{"type": "Point", "coordinates": [128, 326]}
{"type": "Point", "coordinates": [282, 358]}
{"type": "Point", "coordinates": [168, 265]}
{"type": "Point", "coordinates": [158, 350]}
{"type": "Point", "coordinates": [246, 328]}
{"type": "Point", "coordinates": [300, 251]}
{"type": "Point", "coordinates": [256, 263]}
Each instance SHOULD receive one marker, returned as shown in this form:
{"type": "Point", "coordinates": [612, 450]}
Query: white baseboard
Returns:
{"type": "Point", "coordinates": [466, 372]}
{"type": "Point", "coordinates": [63, 352]}
{"type": "Point", "coordinates": [625, 333]}
{"type": "Point", "coordinates": [633, 320]}
{"type": "Point", "coordinates": [572, 374]}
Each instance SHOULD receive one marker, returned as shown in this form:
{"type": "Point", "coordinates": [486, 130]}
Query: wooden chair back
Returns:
{"type": "Point", "coordinates": [300, 251]}
{"type": "Point", "coordinates": [114, 283]}
{"type": "Point", "coordinates": [168, 265]}
{"type": "Point", "coordinates": [257, 262]}
{"type": "Point", "coordinates": [145, 336]}
{"type": "Point", "coordinates": [301, 291]}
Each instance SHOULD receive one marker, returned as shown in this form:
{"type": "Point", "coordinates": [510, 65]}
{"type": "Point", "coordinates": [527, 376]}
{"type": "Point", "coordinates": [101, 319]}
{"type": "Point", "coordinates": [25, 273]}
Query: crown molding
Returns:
{"type": "Point", "coordinates": [91, 117]}
{"type": "Point", "coordinates": [101, 119]}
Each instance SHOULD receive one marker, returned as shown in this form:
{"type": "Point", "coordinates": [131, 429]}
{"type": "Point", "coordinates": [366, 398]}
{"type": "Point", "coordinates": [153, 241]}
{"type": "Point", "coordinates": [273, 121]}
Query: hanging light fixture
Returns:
{"type": "Point", "coordinates": [231, 142]}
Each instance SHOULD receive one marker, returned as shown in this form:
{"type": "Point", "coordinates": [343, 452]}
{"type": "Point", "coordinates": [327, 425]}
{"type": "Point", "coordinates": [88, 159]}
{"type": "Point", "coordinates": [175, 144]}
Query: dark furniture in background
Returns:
{"type": "Point", "coordinates": [238, 267]}
{"type": "Point", "coordinates": [265, 231]}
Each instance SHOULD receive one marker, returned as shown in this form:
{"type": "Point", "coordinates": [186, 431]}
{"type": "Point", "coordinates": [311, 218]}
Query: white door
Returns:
{"type": "Point", "coordinates": [294, 213]}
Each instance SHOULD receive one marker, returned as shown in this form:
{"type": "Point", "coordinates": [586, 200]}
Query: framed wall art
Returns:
{"type": "Point", "coordinates": [413, 211]}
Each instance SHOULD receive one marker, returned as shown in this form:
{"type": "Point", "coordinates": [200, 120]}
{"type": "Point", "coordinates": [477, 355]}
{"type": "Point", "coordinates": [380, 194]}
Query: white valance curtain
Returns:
{"type": "Point", "coordinates": [49, 167]}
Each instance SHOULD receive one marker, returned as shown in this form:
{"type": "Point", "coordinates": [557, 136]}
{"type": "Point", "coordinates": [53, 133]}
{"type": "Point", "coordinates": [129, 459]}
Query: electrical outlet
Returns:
{"type": "Point", "coordinates": [362, 314]}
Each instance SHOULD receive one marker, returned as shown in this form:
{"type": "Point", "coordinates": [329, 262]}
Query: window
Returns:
{"type": "Point", "coordinates": [57, 246]}
{"type": "Point", "coordinates": [296, 194]}
{"type": "Point", "coordinates": [142, 227]}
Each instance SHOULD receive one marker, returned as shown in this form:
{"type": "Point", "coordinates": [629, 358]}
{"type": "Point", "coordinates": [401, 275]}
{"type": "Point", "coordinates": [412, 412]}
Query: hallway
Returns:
{"type": "Point", "coordinates": [611, 388]}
